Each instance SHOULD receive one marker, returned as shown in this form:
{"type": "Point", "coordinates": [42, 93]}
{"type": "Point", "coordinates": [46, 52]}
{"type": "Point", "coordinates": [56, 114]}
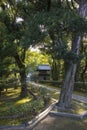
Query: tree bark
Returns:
{"type": "Point", "coordinates": [67, 88]}
{"type": "Point", "coordinates": [22, 72]}
{"type": "Point", "coordinates": [68, 85]}
{"type": "Point", "coordinates": [24, 91]}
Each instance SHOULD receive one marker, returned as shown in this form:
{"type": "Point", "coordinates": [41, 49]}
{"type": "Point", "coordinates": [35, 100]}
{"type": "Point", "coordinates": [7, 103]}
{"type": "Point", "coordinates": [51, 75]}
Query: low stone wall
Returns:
{"type": "Point", "coordinates": [66, 114]}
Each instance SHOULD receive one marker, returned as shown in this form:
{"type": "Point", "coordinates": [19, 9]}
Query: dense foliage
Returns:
{"type": "Point", "coordinates": [56, 26]}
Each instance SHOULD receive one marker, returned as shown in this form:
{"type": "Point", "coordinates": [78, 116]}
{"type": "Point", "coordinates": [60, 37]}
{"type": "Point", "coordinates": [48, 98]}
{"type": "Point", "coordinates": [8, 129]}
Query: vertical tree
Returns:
{"type": "Point", "coordinates": [67, 88]}
{"type": "Point", "coordinates": [22, 31]}
{"type": "Point", "coordinates": [67, 21]}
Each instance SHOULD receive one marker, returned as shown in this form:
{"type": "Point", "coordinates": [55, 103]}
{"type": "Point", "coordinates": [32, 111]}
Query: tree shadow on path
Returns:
{"type": "Point", "coordinates": [61, 123]}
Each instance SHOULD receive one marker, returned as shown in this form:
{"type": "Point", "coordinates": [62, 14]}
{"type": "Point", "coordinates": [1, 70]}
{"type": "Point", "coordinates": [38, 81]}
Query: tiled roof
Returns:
{"type": "Point", "coordinates": [43, 67]}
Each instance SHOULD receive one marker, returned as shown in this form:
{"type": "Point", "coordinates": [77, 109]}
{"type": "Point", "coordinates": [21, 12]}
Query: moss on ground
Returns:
{"type": "Point", "coordinates": [18, 110]}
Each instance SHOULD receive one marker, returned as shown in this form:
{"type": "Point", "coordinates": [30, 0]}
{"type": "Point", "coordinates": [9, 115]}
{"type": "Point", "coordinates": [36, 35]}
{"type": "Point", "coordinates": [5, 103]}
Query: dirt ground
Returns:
{"type": "Point", "coordinates": [61, 123]}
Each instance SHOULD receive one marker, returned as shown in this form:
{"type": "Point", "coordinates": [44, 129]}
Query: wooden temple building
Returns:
{"type": "Point", "coordinates": [44, 72]}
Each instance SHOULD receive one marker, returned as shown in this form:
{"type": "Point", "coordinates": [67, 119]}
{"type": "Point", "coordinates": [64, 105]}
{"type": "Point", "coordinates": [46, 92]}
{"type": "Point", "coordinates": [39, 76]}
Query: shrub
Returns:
{"type": "Point", "coordinates": [26, 109]}
{"type": "Point", "coordinates": [51, 82]}
{"type": "Point", "coordinates": [80, 86]}
{"type": "Point", "coordinates": [45, 95]}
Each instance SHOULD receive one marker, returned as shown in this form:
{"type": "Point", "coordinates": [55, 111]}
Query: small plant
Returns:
{"type": "Point", "coordinates": [37, 106]}
{"type": "Point", "coordinates": [45, 95]}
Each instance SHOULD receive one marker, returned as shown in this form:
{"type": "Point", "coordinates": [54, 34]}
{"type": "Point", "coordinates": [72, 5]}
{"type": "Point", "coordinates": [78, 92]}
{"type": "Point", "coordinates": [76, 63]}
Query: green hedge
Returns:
{"type": "Point", "coordinates": [51, 82]}
{"type": "Point", "coordinates": [5, 84]}
{"type": "Point", "coordinates": [78, 86]}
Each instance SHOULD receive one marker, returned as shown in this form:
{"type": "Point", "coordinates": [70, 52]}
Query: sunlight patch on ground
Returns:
{"type": "Point", "coordinates": [12, 92]}
{"type": "Point", "coordinates": [56, 95]}
{"type": "Point", "coordinates": [81, 111]}
{"type": "Point", "coordinates": [22, 101]}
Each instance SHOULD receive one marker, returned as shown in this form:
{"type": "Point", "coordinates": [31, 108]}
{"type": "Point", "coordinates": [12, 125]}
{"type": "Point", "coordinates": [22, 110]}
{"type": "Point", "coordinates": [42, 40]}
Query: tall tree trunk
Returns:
{"type": "Point", "coordinates": [24, 91]}
{"type": "Point", "coordinates": [67, 88]}
{"type": "Point", "coordinates": [22, 72]}
{"type": "Point", "coordinates": [68, 85]}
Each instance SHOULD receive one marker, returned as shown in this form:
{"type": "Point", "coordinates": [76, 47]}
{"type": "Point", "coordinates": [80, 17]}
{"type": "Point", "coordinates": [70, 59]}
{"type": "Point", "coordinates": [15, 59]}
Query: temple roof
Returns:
{"type": "Point", "coordinates": [43, 67]}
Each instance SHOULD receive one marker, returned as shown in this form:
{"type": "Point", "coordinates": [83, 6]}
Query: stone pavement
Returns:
{"type": "Point", "coordinates": [61, 123]}
{"type": "Point", "coordinates": [82, 99]}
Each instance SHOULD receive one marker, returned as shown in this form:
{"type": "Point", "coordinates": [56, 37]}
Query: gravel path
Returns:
{"type": "Point", "coordinates": [76, 97]}
{"type": "Point", "coordinates": [61, 123]}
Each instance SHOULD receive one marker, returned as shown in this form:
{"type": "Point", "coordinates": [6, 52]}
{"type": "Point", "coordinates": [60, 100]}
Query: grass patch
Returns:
{"type": "Point", "coordinates": [15, 110]}
{"type": "Point", "coordinates": [58, 87]}
{"type": "Point", "coordinates": [76, 106]}
{"type": "Point", "coordinates": [9, 104]}
{"type": "Point", "coordinates": [80, 93]}
{"type": "Point", "coordinates": [27, 108]}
